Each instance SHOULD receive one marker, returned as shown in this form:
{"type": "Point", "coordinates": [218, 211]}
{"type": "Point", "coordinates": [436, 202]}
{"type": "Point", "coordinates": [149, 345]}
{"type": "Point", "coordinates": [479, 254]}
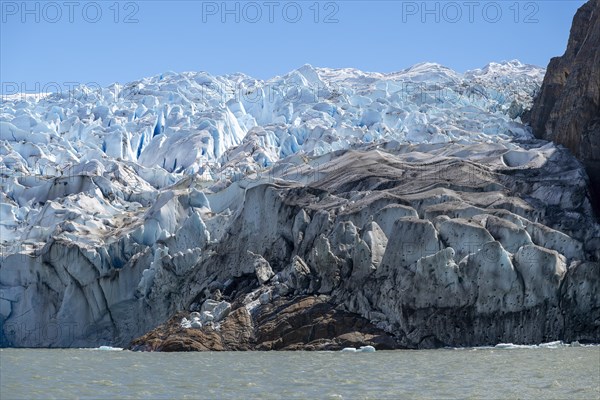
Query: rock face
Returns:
{"type": "Point", "coordinates": [567, 109]}
{"type": "Point", "coordinates": [305, 323]}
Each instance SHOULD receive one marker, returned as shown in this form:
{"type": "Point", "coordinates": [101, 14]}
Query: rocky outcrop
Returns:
{"type": "Point", "coordinates": [567, 108]}
{"type": "Point", "coordinates": [293, 323]}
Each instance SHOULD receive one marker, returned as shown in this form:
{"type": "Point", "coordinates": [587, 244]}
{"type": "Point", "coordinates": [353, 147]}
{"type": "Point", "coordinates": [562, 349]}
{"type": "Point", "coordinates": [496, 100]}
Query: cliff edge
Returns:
{"type": "Point", "coordinates": [567, 108]}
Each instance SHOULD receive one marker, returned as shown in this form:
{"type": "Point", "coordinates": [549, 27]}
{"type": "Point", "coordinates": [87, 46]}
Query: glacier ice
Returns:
{"type": "Point", "coordinates": [121, 205]}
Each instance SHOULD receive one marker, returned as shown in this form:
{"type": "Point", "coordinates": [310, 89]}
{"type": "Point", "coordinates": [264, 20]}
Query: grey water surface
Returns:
{"type": "Point", "coordinates": [491, 373]}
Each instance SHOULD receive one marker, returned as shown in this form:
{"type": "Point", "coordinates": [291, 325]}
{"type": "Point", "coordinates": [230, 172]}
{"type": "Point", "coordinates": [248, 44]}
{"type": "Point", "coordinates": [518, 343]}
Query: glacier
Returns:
{"type": "Point", "coordinates": [416, 199]}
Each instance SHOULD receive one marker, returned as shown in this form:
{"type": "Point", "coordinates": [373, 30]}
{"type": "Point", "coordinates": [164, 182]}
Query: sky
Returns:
{"type": "Point", "coordinates": [45, 44]}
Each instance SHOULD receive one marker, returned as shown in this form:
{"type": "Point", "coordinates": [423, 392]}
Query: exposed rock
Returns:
{"type": "Point", "coordinates": [235, 334]}
{"type": "Point", "coordinates": [281, 289]}
{"type": "Point", "coordinates": [313, 323]}
{"type": "Point", "coordinates": [580, 295]}
{"type": "Point", "coordinates": [309, 323]}
{"type": "Point", "coordinates": [567, 109]}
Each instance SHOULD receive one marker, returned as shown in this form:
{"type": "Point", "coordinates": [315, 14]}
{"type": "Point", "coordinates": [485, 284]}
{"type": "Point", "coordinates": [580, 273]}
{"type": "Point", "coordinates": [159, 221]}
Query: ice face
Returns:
{"type": "Point", "coordinates": [125, 190]}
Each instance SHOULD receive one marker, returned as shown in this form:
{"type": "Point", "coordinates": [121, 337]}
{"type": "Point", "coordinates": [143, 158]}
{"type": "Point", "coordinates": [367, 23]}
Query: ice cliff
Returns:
{"type": "Point", "coordinates": [416, 200]}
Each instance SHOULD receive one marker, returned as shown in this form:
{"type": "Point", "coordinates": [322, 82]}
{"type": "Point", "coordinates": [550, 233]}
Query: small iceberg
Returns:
{"type": "Point", "coordinates": [362, 349]}
{"type": "Point", "coordinates": [549, 345]}
{"type": "Point", "coordinates": [367, 349]}
{"type": "Point", "coordinates": [552, 345]}
{"type": "Point", "coordinates": [109, 348]}
{"type": "Point", "coordinates": [511, 346]}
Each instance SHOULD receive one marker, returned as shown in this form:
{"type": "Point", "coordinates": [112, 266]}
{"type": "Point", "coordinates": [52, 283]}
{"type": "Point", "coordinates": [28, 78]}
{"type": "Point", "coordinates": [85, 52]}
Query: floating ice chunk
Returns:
{"type": "Point", "coordinates": [367, 349]}
{"type": "Point", "coordinates": [109, 348]}
{"type": "Point", "coordinates": [510, 346]}
{"type": "Point", "coordinates": [362, 349]}
{"type": "Point", "coordinates": [549, 345]}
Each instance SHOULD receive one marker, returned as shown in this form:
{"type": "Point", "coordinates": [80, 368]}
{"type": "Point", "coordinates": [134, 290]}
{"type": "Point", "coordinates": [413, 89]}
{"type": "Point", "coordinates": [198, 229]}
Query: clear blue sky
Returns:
{"type": "Point", "coordinates": [270, 38]}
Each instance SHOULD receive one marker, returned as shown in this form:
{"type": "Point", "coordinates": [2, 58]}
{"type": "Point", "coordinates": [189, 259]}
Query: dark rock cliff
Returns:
{"type": "Point", "coordinates": [567, 109]}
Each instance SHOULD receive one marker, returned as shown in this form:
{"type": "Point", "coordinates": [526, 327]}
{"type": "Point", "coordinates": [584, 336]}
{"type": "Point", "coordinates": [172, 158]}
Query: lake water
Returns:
{"type": "Point", "coordinates": [554, 372]}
